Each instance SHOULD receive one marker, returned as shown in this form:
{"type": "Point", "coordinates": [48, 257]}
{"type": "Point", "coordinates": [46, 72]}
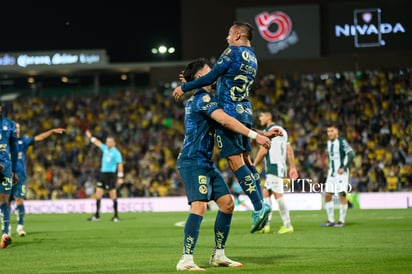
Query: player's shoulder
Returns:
{"type": "Point", "coordinates": [8, 123]}
{"type": "Point", "coordinates": [277, 127]}
{"type": "Point", "coordinates": [202, 97]}
{"type": "Point", "coordinates": [342, 140]}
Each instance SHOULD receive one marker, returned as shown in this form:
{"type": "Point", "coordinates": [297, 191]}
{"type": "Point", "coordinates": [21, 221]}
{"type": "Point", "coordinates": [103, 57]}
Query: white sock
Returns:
{"type": "Point", "coordinates": [343, 209]}
{"type": "Point", "coordinates": [268, 200]}
{"type": "Point", "coordinates": [284, 212]}
{"type": "Point", "coordinates": [330, 211]}
{"type": "Point", "coordinates": [219, 252]}
{"type": "Point", "coordinates": [188, 257]}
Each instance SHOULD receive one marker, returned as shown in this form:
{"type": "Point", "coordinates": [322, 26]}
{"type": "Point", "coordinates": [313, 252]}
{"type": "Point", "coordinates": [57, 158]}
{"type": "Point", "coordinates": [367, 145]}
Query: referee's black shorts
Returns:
{"type": "Point", "coordinates": [107, 180]}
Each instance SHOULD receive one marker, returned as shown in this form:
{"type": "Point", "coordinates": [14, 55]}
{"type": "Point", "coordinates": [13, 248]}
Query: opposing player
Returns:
{"type": "Point", "coordinates": [277, 159]}
{"type": "Point", "coordinates": [8, 175]}
{"type": "Point", "coordinates": [235, 72]}
{"type": "Point", "coordinates": [19, 189]}
{"type": "Point", "coordinates": [203, 181]}
{"type": "Point", "coordinates": [340, 156]}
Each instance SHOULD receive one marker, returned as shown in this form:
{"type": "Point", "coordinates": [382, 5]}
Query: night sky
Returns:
{"type": "Point", "coordinates": [128, 33]}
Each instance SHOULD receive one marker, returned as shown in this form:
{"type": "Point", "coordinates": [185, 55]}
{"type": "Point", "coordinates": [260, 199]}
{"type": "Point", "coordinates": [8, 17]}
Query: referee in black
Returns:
{"type": "Point", "coordinates": [110, 175]}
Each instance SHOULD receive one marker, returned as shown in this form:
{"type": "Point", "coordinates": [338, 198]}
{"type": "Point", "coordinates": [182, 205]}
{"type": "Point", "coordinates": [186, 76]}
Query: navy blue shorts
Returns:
{"type": "Point", "coordinates": [203, 184]}
{"type": "Point", "coordinates": [231, 143]}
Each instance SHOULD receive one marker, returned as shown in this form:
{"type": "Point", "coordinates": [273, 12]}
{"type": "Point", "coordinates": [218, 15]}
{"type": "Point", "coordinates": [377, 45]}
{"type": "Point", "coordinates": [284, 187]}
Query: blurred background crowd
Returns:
{"type": "Point", "coordinates": [372, 109]}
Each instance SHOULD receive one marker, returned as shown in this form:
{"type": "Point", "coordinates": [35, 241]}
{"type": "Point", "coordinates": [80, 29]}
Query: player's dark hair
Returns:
{"type": "Point", "coordinates": [246, 28]}
{"type": "Point", "coordinates": [191, 69]}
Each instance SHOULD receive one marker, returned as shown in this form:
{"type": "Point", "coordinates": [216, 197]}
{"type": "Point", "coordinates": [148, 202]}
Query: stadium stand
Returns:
{"type": "Point", "coordinates": [372, 107]}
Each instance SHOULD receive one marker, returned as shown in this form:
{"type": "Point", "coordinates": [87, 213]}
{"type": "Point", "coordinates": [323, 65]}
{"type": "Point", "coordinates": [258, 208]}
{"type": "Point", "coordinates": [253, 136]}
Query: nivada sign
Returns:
{"type": "Point", "coordinates": [365, 27]}
{"type": "Point", "coordinates": [368, 29]}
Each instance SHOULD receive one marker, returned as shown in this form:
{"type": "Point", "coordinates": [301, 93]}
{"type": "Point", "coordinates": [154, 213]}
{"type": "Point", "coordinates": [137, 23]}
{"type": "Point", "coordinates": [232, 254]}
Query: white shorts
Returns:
{"type": "Point", "coordinates": [274, 183]}
{"type": "Point", "coordinates": [338, 183]}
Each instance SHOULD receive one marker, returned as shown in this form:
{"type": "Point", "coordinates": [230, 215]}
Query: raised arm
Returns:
{"type": "Point", "coordinates": [93, 139]}
{"type": "Point", "coordinates": [46, 134]}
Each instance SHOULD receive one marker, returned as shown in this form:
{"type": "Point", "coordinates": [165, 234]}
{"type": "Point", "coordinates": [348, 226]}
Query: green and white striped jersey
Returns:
{"type": "Point", "coordinates": [275, 159]}
{"type": "Point", "coordinates": [338, 150]}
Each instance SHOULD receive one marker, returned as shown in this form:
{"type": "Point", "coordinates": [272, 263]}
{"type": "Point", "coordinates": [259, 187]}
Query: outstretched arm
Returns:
{"type": "Point", "coordinates": [93, 139]}
{"type": "Point", "coordinates": [46, 134]}
{"type": "Point", "coordinates": [273, 132]}
{"type": "Point", "coordinates": [203, 81]}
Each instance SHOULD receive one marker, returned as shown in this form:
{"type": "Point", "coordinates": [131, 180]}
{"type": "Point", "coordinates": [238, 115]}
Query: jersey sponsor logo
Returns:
{"type": "Point", "coordinates": [248, 57]}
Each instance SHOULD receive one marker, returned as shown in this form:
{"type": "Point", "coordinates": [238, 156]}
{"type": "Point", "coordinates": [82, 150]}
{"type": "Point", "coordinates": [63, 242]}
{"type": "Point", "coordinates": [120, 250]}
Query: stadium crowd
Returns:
{"type": "Point", "coordinates": [373, 109]}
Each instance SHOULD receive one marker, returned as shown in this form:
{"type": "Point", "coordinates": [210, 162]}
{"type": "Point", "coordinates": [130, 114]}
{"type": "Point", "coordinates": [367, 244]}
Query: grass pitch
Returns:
{"type": "Point", "coordinates": [373, 241]}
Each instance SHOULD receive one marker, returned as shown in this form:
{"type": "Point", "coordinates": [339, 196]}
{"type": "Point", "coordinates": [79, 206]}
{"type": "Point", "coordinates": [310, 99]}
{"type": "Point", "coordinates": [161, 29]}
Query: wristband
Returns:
{"type": "Point", "coordinates": [252, 134]}
{"type": "Point", "coordinates": [93, 139]}
{"type": "Point", "coordinates": [120, 175]}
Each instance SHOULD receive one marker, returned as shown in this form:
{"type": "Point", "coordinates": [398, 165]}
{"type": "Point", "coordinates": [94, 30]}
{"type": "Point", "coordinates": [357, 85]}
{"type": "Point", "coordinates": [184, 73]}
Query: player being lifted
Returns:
{"type": "Point", "coordinates": [235, 72]}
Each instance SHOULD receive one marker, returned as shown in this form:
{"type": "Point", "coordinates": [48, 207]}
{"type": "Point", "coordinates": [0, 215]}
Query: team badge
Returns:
{"type": "Point", "coordinates": [206, 98]}
{"type": "Point", "coordinates": [227, 51]}
{"type": "Point", "coordinates": [203, 189]}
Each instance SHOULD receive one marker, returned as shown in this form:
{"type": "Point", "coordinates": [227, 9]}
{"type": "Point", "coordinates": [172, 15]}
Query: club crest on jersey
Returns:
{"type": "Point", "coordinates": [206, 98]}
{"type": "Point", "coordinates": [5, 128]}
